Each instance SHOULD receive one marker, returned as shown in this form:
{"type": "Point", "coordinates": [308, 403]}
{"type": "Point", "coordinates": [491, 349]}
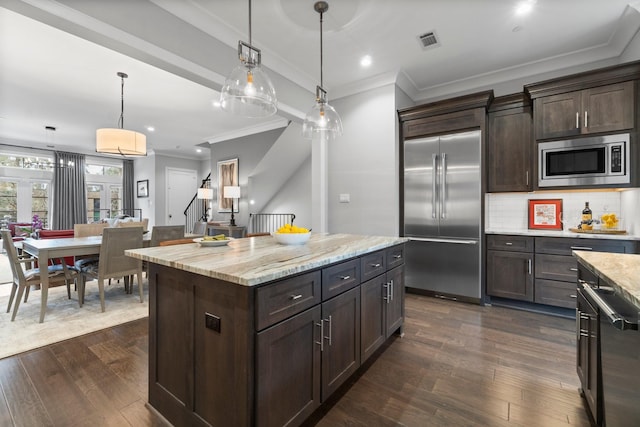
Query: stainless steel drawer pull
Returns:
{"type": "Point", "coordinates": [347, 277]}
{"type": "Point", "coordinates": [386, 287]}
{"type": "Point", "coordinates": [329, 337]}
{"type": "Point", "coordinates": [573, 269]}
{"type": "Point", "coordinates": [397, 256]}
{"type": "Point", "coordinates": [321, 342]}
{"type": "Point", "coordinates": [581, 248]}
{"type": "Point", "coordinates": [376, 265]}
{"type": "Point", "coordinates": [573, 296]}
{"type": "Point", "coordinates": [295, 297]}
{"type": "Point", "coordinates": [509, 244]}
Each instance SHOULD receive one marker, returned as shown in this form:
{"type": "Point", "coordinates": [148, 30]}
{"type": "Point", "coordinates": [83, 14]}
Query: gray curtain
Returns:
{"type": "Point", "coordinates": [69, 191]}
{"type": "Point", "coordinates": [128, 187]}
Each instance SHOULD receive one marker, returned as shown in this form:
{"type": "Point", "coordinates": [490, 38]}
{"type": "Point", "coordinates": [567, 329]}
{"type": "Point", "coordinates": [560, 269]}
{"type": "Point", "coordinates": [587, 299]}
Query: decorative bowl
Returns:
{"type": "Point", "coordinates": [209, 243]}
{"type": "Point", "coordinates": [291, 238]}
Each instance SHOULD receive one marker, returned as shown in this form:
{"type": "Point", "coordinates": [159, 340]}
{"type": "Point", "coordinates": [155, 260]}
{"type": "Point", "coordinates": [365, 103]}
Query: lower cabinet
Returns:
{"type": "Point", "coordinates": [510, 274]}
{"type": "Point", "coordinates": [587, 350]}
{"type": "Point", "coordinates": [288, 370]}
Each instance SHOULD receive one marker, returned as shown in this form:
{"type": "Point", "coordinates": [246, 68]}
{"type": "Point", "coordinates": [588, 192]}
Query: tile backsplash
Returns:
{"type": "Point", "coordinates": [509, 211]}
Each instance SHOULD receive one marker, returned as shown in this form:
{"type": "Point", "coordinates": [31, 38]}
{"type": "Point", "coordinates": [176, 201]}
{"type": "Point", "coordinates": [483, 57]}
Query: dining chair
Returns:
{"type": "Point", "coordinates": [166, 232]}
{"type": "Point", "coordinates": [175, 242]}
{"type": "Point", "coordinates": [88, 230]}
{"type": "Point", "coordinates": [200, 228]}
{"type": "Point", "coordinates": [23, 278]}
{"type": "Point", "coordinates": [144, 224]}
{"type": "Point", "coordinates": [112, 262]}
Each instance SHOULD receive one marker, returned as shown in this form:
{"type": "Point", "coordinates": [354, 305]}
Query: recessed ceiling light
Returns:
{"type": "Point", "coordinates": [216, 103]}
{"type": "Point", "coordinates": [366, 61]}
{"type": "Point", "coordinates": [198, 150]}
{"type": "Point", "coordinates": [524, 7]}
{"type": "Point", "coordinates": [150, 128]}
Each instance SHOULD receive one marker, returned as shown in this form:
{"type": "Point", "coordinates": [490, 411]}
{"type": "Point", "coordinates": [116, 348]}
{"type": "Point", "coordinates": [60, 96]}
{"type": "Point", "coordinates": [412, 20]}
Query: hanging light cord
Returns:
{"type": "Point", "coordinates": [321, 82]}
{"type": "Point", "coordinates": [250, 42]}
{"type": "Point", "coordinates": [121, 121]}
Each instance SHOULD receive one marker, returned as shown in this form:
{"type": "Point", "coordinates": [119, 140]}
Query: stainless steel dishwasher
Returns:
{"type": "Point", "coordinates": [619, 357]}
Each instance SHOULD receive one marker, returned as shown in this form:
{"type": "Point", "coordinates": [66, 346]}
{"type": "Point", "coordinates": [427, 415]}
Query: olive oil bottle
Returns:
{"type": "Point", "coordinates": [587, 218]}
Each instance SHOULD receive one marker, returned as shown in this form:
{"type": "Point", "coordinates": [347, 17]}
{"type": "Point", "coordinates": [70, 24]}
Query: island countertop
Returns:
{"type": "Point", "coordinates": [622, 271]}
{"type": "Point", "coordinates": [256, 260]}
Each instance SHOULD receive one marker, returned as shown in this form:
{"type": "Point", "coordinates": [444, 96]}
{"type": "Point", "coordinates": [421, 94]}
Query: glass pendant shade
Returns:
{"type": "Point", "coordinates": [322, 118]}
{"type": "Point", "coordinates": [248, 92]}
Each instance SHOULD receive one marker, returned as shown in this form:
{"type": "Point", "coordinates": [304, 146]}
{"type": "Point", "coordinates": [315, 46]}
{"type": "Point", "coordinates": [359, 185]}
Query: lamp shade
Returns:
{"type": "Point", "coordinates": [248, 92]}
{"type": "Point", "coordinates": [322, 118]}
{"type": "Point", "coordinates": [205, 193]}
{"type": "Point", "coordinates": [231, 192]}
{"type": "Point", "coordinates": [121, 141]}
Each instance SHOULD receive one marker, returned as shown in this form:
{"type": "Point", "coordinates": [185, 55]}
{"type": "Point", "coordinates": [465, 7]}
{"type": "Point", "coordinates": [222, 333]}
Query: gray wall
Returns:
{"type": "Point", "coordinates": [295, 196]}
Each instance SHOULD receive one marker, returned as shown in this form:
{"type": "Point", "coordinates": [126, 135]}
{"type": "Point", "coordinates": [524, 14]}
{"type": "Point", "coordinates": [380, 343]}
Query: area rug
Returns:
{"type": "Point", "coordinates": [63, 318]}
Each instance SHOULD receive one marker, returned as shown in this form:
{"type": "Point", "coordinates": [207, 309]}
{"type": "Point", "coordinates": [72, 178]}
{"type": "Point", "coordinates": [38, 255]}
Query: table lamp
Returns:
{"type": "Point", "coordinates": [205, 194]}
{"type": "Point", "coordinates": [232, 192]}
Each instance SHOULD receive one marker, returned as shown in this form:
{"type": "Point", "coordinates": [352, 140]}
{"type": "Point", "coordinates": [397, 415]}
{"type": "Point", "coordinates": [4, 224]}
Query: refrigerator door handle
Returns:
{"type": "Point", "coordinates": [458, 241]}
{"type": "Point", "coordinates": [434, 163]}
{"type": "Point", "coordinates": [443, 189]}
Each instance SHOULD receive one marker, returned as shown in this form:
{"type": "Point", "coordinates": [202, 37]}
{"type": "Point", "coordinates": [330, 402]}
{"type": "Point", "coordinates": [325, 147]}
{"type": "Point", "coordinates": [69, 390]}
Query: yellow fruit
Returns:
{"type": "Point", "coordinates": [289, 228]}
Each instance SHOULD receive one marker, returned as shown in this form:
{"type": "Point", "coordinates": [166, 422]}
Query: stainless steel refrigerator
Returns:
{"type": "Point", "coordinates": [442, 214]}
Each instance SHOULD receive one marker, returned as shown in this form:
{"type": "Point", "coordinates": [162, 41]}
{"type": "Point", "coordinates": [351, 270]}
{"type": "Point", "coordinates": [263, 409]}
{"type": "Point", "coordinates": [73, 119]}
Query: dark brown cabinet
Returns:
{"type": "Point", "coordinates": [510, 144]}
{"type": "Point", "coordinates": [382, 300]}
{"type": "Point", "coordinates": [288, 370]}
{"type": "Point", "coordinates": [587, 352]}
{"type": "Point", "coordinates": [510, 267]}
{"type": "Point", "coordinates": [608, 108]}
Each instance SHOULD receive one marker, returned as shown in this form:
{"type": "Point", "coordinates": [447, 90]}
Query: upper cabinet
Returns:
{"type": "Point", "coordinates": [600, 109]}
{"type": "Point", "coordinates": [510, 144]}
{"type": "Point", "coordinates": [594, 102]}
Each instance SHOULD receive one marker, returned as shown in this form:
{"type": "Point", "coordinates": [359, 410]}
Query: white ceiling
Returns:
{"type": "Point", "coordinates": [177, 53]}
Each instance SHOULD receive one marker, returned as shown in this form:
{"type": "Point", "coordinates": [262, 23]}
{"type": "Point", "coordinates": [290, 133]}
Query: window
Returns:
{"type": "Point", "coordinates": [40, 201]}
{"type": "Point", "coordinates": [106, 170]}
{"type": "Point", "coordinates": [115, 200]}
{"type": "Point", "coordinates": [8, 200]}
{"type": "Point", "coordinates": [94, 193]}
{"type": "Point", "coordinates": [27, 162]}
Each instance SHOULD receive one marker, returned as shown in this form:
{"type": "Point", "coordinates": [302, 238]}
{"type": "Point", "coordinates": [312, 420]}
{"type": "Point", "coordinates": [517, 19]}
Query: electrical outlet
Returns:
{"type": "Point", "coordinates": [212, 321]}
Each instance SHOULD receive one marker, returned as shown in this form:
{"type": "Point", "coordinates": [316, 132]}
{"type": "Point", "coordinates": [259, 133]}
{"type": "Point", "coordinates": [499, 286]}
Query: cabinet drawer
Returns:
{"type": "Point", "coordinates": [557, 267]}
{"type": "Point", "coordinates": [277, 301]}
{"type": "Point", "coordinates": [564, 245]}
{"type": "Point", "coordinates": [500, 242]}
{"type": "Point", "coordinates": [552, 292]}
{"type": "Point", "coordinates": [395, 256]}
{"type": "Point", "coordinates": [372, 265]}
{"type": "Point", "coordinates": [339, 278]}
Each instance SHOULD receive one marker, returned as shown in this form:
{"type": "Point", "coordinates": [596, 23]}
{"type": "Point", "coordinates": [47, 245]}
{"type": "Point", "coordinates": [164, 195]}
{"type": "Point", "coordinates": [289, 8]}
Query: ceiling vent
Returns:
{"type": "Point", "coordinates": [428, 40]}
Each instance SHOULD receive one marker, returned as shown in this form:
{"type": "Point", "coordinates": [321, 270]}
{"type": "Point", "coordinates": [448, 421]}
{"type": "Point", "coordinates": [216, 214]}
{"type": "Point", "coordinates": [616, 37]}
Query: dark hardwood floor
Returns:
{"type": "Point", "coordinates": [457, 365]}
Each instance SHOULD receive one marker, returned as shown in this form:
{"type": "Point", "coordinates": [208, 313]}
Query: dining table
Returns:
{"type": "Point", "coordinates": [45, 249]}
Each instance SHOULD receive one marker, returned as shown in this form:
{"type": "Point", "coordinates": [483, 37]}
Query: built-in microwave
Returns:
{"type": "Point", "coordinates": [601, 160]}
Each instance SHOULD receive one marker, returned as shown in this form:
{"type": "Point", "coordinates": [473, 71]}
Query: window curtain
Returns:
{"type": "Point", "coordinates": [128, 187]}
{"type": "Point", "coordinates": [69, 191]}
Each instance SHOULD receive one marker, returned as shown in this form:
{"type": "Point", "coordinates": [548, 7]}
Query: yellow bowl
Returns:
{"type": "Point", "coordinates": [291, 238]}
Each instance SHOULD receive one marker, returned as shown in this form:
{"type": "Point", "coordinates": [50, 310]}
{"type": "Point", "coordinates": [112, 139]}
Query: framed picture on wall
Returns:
{"type": "Point", "coordinates": [545, 214]}
{"type": "Point", "coordinates": [143, 188]}
{"type": "Point", "coordinates": [227, 175]}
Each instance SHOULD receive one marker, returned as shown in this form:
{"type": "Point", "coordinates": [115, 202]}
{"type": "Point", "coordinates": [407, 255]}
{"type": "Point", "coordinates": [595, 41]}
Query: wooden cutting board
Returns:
{"type": "Point", "coordinates": [601, 231]}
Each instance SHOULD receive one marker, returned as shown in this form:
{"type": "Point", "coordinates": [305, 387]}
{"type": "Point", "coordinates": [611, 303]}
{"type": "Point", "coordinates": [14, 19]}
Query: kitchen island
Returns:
{"type": "Point", "coordinates": [257, 333]}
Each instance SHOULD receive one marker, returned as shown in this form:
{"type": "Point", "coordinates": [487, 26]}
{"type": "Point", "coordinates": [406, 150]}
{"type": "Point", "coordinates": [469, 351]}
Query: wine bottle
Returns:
{"type": "Point", "coordinates": [587, 217]}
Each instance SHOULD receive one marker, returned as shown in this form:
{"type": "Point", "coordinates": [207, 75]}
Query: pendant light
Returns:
{"type": "Point", "coordinates": [121, 141]}
{"type": "Point", "coordinates": [322, 118]}
{"type": "Point", "coordinates": [248, 91]}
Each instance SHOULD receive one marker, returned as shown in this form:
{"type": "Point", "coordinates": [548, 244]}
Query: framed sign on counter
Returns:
{"type": "Point", "coordinates": [545, 214]}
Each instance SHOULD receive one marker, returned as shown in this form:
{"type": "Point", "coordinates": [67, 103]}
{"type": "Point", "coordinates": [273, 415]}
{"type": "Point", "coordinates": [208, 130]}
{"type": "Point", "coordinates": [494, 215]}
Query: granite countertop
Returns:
{"type": "Point", "coordinates": [622, 271]}
{"type": "Point", "coordinates": [255, 260]}
{"type": "Point", "coordinates": [562, 233]}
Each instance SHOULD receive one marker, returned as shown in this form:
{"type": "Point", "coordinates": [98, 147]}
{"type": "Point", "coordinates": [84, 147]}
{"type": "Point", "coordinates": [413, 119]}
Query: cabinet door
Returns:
{"type": "Point", "coordinates": [558, 115]}
{"type": "Point", "coordinates": [607, 108]}
{"type": "Point", "coordinates": [373, 317]}
{"type": "Point", "coordinates": [341, 348]}
{"type": "Point", "coordinates": [510, 275]}
{"type": "Point", "coordinates": [395, 304]}
{"type": "Point", "coordinates": [288, 370]}
{"type": "Point", "coordinates": [510, 145]}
